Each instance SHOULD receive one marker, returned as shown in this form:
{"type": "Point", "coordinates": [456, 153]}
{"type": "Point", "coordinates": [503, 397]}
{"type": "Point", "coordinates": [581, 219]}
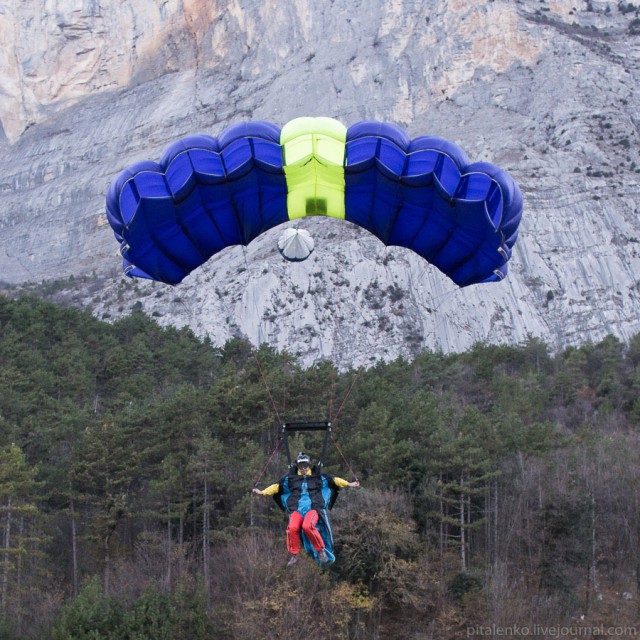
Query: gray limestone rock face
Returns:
{"type": "Point", "coordinates": [547, 90]}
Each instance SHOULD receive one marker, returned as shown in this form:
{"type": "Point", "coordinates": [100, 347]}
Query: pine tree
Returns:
{"type": "Point", "coordinates": [19, 526]}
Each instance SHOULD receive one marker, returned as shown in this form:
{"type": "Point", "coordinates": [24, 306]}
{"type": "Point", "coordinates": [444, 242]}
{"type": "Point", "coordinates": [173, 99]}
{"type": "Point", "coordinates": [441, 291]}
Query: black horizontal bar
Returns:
{"type": "Point", "coordinates": [307, 426]}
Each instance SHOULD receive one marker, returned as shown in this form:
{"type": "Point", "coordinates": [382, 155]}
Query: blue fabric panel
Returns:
{"type": "Point", "coordinates": [188, 144]}
{"type": "Point", "coordinates": [441, 146]}
{"type": "Point", "coordinates": [114, 214]}
{"type": "Point", "coordinates": [493, 202]}
{"type": "Point", "coordinates": [476, 262]}
{"type": "Point", "coordinates": [259, 129]}
{"type": "Point", "coordinates": [152, 261]}
{"type": "Point", "coordinates": [440, 159]}
{"type": "Point", "coordinates": [114, 205]}
{"type": "Point", "coordinates": [370, 131]}
{"type": "Point", "coordinates": [140, 247]}
{"type": "Point", "coordinates": [434, 233]}
{"type": "Point", "coordinates": [217, 201]}
{"type": "Point", "coordinates": [412, 218]}
{"type": "Point", "coordinates": [360, 196]}
{"type": "Point", "coordinates": [446, 177]}
{"type": "Point", "coordinates": [247, 203]}
{"type": "Point", "coordinates": [457, 249]}
{"type": "Point", "coordinates": [420, 167]}
{"type": "Point", "coordinates": [375, 159]}
{"type": "Point", "coordinates": [257, 195]}
{"type": "Point", "coordinates": [425, 195]}
{"type": "Point", "coordinates": [146, 185]}
{"type": "Point", "coordinates": [179, 162]}
{"type": "Point", "coordinates": [272, 204]}
{"type": "Point", "coordinates": [155, 239]}
{"type": "Point", "coordinates": [388, 204]}
{"type": "Point", "coordinates": [268, 156]}
{"type": "Point", "coordinates": [204, 195]}
{"type": "Point", "coordinates": [237, 158]}
{"type": "Point", "coordinates": [196, 221]}
{"type": "Point", "coordinates": [474, 186]}
{"type": "Point", "coordinates": [511, 200]}
{"type": "Point", "coordinates": [133, 271]}
{"type": "Point", "coordinates": [180, 177]}
{"type": "Point", "coordinates": [372, 201]}
{"type": "Point", "coordinates": [208, 167]}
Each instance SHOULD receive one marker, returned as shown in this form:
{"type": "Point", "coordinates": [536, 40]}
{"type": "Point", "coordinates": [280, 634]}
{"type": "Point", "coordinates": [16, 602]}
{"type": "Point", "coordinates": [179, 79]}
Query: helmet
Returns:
{"type": "Point", "coordinates": [303, 458]}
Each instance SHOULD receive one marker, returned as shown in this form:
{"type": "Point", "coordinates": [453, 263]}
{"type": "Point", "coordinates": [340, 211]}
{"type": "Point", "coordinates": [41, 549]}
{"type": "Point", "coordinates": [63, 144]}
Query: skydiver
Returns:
{"type": "Point", "coordinates": [305, 495]}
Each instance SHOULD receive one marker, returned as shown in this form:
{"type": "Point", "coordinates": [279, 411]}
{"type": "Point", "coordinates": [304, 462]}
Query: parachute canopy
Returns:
{"type": "Point", "coordinates": [208, 193]}
{"type": "Point", "coordinates": [295, 245]}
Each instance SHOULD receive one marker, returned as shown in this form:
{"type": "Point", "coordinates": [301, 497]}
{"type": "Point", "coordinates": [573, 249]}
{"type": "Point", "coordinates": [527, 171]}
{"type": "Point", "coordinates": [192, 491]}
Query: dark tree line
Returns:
{"type": "Point", "coordinates": [500, 486]}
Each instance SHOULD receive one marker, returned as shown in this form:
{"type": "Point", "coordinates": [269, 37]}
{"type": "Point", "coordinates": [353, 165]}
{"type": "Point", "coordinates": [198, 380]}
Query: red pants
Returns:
{"type": "Point", "coordinates": [308, 525]}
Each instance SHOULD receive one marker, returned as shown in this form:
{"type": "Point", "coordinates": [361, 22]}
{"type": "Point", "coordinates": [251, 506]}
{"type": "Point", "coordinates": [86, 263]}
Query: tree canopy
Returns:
{"type": "Point", "coordinates": [128, 451]}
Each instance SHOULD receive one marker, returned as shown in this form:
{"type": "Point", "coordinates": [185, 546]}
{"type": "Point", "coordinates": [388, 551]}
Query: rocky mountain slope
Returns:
{"type": "Point", "coordinates": [546, 89]}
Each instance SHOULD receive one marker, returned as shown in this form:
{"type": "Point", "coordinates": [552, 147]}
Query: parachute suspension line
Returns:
{"type": "Point", "coordinates": [444, 298]}
{"type": "Point", "coordinates": [353, 384]}
{"type": "Point", "coordinates": [333, 386]}
{"type": "Point", "coordinates": [341, 260]}
{"type": "Point", "coordinates": [355, 475]}
{"type": "Point", "coordinates": [334, 418]}
{"type": "Point", "coordinates": [334, 337]}
{"type": "Point", "coordinates": [284, 380]}
{"type": "Point", "coordinates": [273, 453]}
{"type": "Point", "coordinates": [437, 300]}
{"type": "Point", "coordinates": [188, 312]}
{"type": "Point", "coordinates": [266, 386]}
{"type": "Point", "coordinates": [275, 409]}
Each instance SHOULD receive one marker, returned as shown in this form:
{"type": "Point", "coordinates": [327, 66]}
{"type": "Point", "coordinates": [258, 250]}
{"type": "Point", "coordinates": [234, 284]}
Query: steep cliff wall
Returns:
{"type": "Point", "coordinates": [547, 90]}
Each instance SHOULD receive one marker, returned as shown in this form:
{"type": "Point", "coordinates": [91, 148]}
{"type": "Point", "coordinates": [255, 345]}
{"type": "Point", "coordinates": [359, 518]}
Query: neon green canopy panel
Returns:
{"type": "Point", "coordinates": [313, 152]}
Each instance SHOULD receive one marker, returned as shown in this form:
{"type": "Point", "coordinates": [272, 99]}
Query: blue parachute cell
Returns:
{"type": "Point", "coordinates": [206, 194]}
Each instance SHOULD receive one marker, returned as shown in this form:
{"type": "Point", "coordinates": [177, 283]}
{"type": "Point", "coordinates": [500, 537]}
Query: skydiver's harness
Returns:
{"type": "Point", "coordinates": [291, 484]}
{"type": "Point", "coordinates": [322, 492]}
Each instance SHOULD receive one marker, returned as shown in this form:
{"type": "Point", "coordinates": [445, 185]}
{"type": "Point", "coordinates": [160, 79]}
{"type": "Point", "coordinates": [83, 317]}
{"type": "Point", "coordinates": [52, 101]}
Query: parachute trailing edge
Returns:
{"type": "Point", "coordinates": [208, 193]}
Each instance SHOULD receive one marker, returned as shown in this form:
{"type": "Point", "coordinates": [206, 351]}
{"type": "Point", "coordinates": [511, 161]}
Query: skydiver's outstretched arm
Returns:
{"type": "Point", "coordinates": [269, 491]}
{"type": "Point", "coordinates": [340, 482]}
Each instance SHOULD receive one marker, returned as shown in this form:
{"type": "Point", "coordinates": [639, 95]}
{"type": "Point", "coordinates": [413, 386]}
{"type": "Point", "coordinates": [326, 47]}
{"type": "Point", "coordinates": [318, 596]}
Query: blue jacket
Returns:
{"type": "Point", "coordinates": [305, 492]}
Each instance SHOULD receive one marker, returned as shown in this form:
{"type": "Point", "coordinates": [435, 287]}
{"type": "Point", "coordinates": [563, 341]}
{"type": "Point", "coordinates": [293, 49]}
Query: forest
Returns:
{"type": "Point", "coordinates": [500, 488]}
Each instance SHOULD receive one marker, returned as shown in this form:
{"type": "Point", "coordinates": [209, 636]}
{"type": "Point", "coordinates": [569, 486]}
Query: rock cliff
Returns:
{"type": "Point", "coordinates": [546, 89]}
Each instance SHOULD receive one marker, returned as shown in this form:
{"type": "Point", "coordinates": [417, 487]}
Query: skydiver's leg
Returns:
{"type": "Point", "coordinates": [293, 533]}
{"type": "Point", "coordinates": [309, 528]}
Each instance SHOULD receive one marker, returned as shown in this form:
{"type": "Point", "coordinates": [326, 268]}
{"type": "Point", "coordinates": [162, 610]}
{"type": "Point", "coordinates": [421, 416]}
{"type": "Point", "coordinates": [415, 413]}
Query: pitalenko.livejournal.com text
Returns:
{"type": "Point", "coordinates": [553, 631]}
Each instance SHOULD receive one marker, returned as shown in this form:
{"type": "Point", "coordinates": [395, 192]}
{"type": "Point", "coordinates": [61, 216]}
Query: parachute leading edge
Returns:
{"type": "Point", "coordinates": [206, 194]}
